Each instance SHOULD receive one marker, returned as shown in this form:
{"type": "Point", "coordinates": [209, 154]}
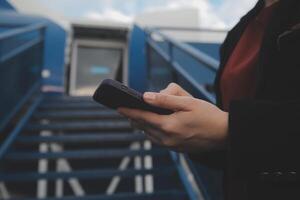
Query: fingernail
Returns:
{"type": "Point", "coordinates": [149, 96]}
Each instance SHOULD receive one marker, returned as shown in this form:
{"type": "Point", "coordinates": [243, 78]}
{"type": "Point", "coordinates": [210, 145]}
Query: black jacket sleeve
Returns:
{"type": "Point", "coordinates": [214, 160]}
{"type": "Point", "coordinates": [264, 135]}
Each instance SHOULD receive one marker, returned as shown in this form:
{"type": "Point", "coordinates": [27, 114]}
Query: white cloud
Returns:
{"type": "Point", "coordinates": [231, 11]}
{"type": "Point", "coordinates": [225, 14]}
{"type": "Point", "coordinates": [109, 14]}
{"type": "Point", "coordinates": [208, 18]}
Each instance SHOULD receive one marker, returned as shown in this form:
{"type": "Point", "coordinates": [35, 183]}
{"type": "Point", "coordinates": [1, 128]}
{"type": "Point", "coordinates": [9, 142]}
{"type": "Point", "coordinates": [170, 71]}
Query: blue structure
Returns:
{"type": "Point", "coordinates": [38, 128]}
{"type": "Point", "coordinates": [5, 5]}
{"type": "Point", "coordinates": [55, 41]}
{"type": "Point", "coordinates": [137, 60]}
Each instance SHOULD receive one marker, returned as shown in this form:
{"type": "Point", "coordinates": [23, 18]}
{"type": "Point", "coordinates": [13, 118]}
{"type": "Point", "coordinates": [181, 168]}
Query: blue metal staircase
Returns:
{"type": "Point", "coordinates": [96, 155]}
{"type": "Point", "coordinates": [54, 146]}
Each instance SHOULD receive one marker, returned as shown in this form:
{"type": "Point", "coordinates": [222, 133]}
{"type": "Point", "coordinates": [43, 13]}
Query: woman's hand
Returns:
{"type": "Point", "coordinates": [195, 125]}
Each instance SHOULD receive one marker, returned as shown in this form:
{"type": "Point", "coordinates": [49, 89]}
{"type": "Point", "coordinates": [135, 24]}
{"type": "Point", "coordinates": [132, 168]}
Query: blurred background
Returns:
{"type": "Point", "coordinates": [55, 142]}
{"type": "Point", "coordinates": [211, 13]}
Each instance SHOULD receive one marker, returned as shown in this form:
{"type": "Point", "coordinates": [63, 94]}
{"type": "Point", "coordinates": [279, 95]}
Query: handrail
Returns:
{"type": "Point", "coordinates": [18, 31]}
{"type": "Point", "coordinates": [193, 183]}
{"type": "Point", "coordinates": [190, 182]}
{"type": "Point", "coordinates": [182, 72]}
{"type": "Point", "coordinates": [20, 49]}
{"type": "Point", "coordinates": [201, 57]}
{"type": "Point", "coordinates": [12, 53]}
{"type": "Point", "coordinates": [17, 129]}
{"type": "Point", "coordinates": [170, 28]}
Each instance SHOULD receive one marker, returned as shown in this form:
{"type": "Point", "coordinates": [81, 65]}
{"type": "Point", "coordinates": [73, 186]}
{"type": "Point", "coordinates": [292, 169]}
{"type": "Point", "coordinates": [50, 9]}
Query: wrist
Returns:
{"type": "Point", "coordinates": [223, 129]}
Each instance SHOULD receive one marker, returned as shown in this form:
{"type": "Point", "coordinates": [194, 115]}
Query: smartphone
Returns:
{"type": "Point", "coordinates": [114, 94]}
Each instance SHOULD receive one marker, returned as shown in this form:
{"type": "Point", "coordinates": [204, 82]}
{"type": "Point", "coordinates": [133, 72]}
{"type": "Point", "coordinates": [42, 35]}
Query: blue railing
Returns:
{"type": "Point", "coordinates": [21, 61]}
{"type": "Point", "coordinates": [169, 60]}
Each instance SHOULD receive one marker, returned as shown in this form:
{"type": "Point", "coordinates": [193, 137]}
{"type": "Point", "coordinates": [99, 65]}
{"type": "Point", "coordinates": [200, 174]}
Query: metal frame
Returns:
{"type": "Point", "coordinates": [100, 44]}
{"type": "Point", "coordinates": [167, 28]}
{"type": "Point", "coordinates": [209, 62]}
{"type": "Point", "coordinates": [139, 152]}
{"type": "Point", "coordinates": [19, 30]}
{"type": "Point", "coordinates": [50, 144]}
{"type": "Point", "coordinates": [51, 149]}
{"type": "Point", "coordinates": [190, 180]}
{"type": "Point", "coordinates": [16, 131]}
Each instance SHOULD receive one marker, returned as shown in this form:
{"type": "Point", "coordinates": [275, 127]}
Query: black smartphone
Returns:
{"type": "Point", "coordinates": [114, 94]}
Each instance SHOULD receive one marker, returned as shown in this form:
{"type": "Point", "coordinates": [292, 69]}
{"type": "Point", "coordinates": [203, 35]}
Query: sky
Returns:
{"type": "Point", "coordinates": [213, 13]}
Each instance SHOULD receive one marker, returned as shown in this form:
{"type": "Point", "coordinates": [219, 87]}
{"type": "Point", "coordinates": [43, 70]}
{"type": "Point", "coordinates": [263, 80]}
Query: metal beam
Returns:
{"type": "Point", "coordinates": [162, 195]}
{"type": "Point", "coordinates": [205, 94]}
{"type": "Point", "coordinates": [201, 57]}
{"type": "Point", "coordinates": [65, 106]}
{"type": "Point", "coordinates": [16, 131]}
{"type": "Point", "coordinates": [59, 98]}
{"type": "Point", "coordinates": [84, 138]}
{"type": "Point", "coordinates": [187, 177]}
{"type": "Point", "coordinates": [109, 125]}
{"type": "Point", "coordinates": [20, 104]}
{"type": "Point", "coordinates": [21, 48]}
{"type": "Point", "coordinates": [111, 189]}
{"type": "Point", "coordinates": [84, 154]}
{"type": "Point", "coordinates": [18, 31]}
{"type": "Point", "coordinates": [80, 114]}
{"type": "Point", "coordinates": [64, 166]}
{"type": "Point", "coordinates": [83, 174]}
{"type": "Point", "coordinates": [182, 72]}
{"type": "Point", "coordinates": [190, 29]}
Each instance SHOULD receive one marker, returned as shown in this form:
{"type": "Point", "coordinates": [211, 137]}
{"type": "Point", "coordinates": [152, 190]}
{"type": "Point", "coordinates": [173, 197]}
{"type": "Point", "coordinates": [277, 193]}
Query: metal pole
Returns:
{"type": "Point", "coordinates": [148, 164]}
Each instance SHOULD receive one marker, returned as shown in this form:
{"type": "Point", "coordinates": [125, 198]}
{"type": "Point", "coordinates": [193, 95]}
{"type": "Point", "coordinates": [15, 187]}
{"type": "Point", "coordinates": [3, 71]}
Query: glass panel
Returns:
{"type": "Point", "coordinates": [95, 65]}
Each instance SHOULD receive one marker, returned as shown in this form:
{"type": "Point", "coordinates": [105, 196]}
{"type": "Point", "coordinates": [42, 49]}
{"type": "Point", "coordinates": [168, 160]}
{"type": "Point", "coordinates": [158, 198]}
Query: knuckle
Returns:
{"type": "Point", "coordinates": [192, 101]}
{"type": "Point", "coordinates": [168, 127]}
{"type": "Point", "coordinates": [162, 91]}
{"type": "Point", "coordinates": [161, 98]}
{"type": "Point", "coordinates": [174, 85]}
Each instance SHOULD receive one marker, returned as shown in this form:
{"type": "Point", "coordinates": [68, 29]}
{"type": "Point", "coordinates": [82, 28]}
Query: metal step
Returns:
{"type": "Point", "coordinates": [77, 114]}
{"type": "Point", "coordinates": [83, 154]}
{"type": "Point", "coordinates": [83, 174]}
{"type": "Point", "coordinates": [120, 125]}
{"type": "Point", "coordinates": [157, 195]}
{"type": "Point", "coordinates": [83, 138]}
{"type": "Point", "coordinates": [69, 106]}
{"type": "Point", "coordinates": [65, 98]}
{"type": "Point", "coordinates": [76, 124]}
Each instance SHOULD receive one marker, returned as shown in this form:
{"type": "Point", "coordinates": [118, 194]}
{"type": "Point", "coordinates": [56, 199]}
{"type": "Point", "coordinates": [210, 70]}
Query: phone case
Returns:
{"type": "Point", "coordinates": [113, 94]}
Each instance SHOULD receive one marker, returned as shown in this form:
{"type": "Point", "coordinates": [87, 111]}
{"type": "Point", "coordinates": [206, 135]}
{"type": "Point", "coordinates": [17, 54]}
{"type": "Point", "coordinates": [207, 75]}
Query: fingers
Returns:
{"type": "Point", "coordinates": [174, 89]}
{"type": "Point", "coordinates": [153, 139]}
{"type": "Point", "coordinates": [153, 134]}
{"type": "Point", "coordinates": [146, 117]}
{"type": "Point", "coordinates": [175, 103]}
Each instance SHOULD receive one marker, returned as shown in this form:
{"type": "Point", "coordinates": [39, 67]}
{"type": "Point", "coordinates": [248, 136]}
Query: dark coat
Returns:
{"type": "Point", "coordinates": [263, 156]}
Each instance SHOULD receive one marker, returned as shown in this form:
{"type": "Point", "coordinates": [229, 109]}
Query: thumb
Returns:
{"type": "Point", "coordinates": [175, 103]}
